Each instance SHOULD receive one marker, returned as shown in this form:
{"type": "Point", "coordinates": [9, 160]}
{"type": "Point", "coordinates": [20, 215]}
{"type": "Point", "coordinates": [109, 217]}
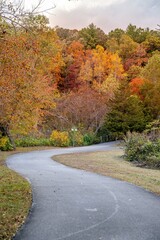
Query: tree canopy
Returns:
{"type": "Point", "coordinates": [59, 78]}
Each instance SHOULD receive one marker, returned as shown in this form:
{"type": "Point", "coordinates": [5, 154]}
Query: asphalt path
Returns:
{"type": "Point", "coordinates": [71, 204]}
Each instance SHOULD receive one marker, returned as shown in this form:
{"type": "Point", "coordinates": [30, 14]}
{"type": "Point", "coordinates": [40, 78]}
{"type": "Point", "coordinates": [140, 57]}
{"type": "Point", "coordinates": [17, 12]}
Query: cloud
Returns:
{"type": "Point", "coordinates": [106, 14]}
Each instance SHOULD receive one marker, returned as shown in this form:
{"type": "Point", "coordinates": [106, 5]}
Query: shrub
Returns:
{"type": "Point", "coordinates": [89, 138]}
{"type": "Point", "coordinates": [133, 143]}
{"type": "Point", "coordinates": [59, 139]}
{"type": "Point", "coordinates": [32, 142]}
{"type": "Point", "coordinates": [153, 130]}
{"type": "Point", "coordinates": [153, 161]}
{"type": "Point", "coordinates": [76, 138]}
{"type": "Point", "coordinates": [138, 148]}
{"type": "Point", "coordinates": [5, 144]}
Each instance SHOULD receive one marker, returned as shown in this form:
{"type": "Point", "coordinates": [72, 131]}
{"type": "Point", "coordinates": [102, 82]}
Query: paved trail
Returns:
{"type": "Point", "coordinates": [70, 204]}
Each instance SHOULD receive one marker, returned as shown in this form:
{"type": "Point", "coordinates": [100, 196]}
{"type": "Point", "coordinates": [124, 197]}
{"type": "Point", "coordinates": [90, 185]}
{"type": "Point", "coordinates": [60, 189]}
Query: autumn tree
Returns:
{"type": "Point", "coordinates": [99, 65]}
{"type": "Point", "coordinates": [24, 92]}
{"type": "Point", "coordinates": [152, 70]}
{"type": "Point", "coordinates": [116, 34]}
{"type": "Point", "coordinates": [137, 58]}
{"type": "Point", "coordinates": [113, 40]}
{"type": "Point", "coordinates": [150, 93]}
{"type": "Point", "coordinates": [74, 57]}
{"type": "Point", "coordinates": [84, 109]}
{"type": "Point", "coordinates": [152, 42]}
{"type": "Point", "coordinates": [133, 72]}
{"type": "Point", "coordinates": [151, 88]}
{"type": "Point", "coordinates": [27, 93]}
{"type": "Point", "coordinates": [67, 35]}
{"type": "Point", "coordinates": [127, 47]}
{"type": "Point", "coordinates": [136, 85]}
{"type": "Point", "coordinates": [112, 45]}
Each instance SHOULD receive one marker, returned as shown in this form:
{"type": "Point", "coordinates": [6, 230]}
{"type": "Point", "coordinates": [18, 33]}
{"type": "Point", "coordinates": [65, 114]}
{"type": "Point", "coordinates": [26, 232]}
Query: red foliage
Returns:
{"type": "Point", "coordinates": [138, 58]}
{"type": "Point", "coordinates": [75, 56]}
{"type": "Point", "coordinates": [135, 85]}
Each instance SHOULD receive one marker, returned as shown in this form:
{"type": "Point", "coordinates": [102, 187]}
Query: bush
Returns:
{"type": "Point", "coordinates": [138, 148]}
{"type": "Point", "coordinates": [60, 139]}
{"type": "Point", "coordinates": [76, 138]}
{"type": "Point", "coordinates": [5, 144]}
{"type": "Point", "coordinates": [153, 161]}
{"type": "Point", "coordinates": [133, 144]}
{"type": "Point", "coordinates": [153, 130]}
{"type": "Point", "coordinates": [89, 138]}
{"type": "Point", "coordinates": [32, 142]}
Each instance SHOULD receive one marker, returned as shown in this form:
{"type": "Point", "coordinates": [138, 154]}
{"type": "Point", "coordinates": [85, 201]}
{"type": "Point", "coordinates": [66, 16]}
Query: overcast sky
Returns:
{"type": "Point", "coordinates": [106, 14]}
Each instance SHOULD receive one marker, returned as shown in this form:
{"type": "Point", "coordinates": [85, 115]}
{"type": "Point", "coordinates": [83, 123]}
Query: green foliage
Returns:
{"type": "Point", "coordinates": [89, 139]}
{"type": "Point", "coordinates": [152, 70]}
{"type": "Point", "coordinates": [32, 142]}
{"type": "Point", "coordinates": [35, 22]}
{"type": "Point", "coordinates": [5, 144]}
{"type": "Point", "coordinates": [92, 36]}
{"type": "Point", "coordinates": [138, 35]}
{"type": "Point", "coordinates": [76, 138]}
{"type": "Point", "coordinates": [127, 114]}
{"type": "Point", "coordinates": [151, 88]}
{"type": "Point", "coordinates": [153, 130]}
{"type": "Point", "coordinates": [139, 149]}
{"type": "Point", "coordinates": [152, 42]}
{"type": "Point", "coordinates": [116, 34]}
{"type": "Point", "coordinates": [127, 47]}
{"type": "Point", "coordinates": [60, 139]}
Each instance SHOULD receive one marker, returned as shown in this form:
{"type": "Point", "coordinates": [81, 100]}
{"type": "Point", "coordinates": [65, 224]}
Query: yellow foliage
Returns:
{"type": "Point", "coordinates": [5, 144]}
{"type": "Point", "coordinates": [78, 138]}
{"type": "Point", "coordinates": [60, 139]}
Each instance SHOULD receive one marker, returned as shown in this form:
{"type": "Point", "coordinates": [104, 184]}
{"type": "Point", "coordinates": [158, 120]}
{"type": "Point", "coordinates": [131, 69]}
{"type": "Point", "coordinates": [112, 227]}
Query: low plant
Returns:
{"type": "Point", "coordinates": [140, 149]}
{"type": "Point", "coordinates": [153, 130]}
{"type": "Point", "coordinates": [32, 142]}
{"type": "Point", "coordinates": [5, 144]}
{"type": "Point", "coordinates": [76, 138]}
{"type": "Point", "coordinates": [89, 138]}
{"type": "Point", "coordinates": [60, 139]}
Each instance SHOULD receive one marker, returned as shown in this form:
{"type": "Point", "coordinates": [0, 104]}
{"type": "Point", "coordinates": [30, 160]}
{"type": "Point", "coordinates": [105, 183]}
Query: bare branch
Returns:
{"type": "Point", "coordinates": [13, 13]}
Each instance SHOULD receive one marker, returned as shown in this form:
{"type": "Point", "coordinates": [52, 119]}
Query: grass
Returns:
{"type": "Point", "coordinates": [111, 163]}
{"type": "Point", "coordinates": [15, 196]}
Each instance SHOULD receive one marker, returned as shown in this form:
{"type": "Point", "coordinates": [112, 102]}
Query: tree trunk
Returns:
{"type": "Point", "coordinates": [6, 133]}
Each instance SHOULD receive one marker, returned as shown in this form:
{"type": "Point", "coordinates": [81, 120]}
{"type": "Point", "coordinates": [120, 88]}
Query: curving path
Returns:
{"type": "Point", "coordinates": [70, 204]}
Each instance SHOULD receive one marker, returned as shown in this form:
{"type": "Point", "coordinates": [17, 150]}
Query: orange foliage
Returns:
{"type": "Point", "coordinates": [99, 65]}
{"type": "Point", "coordinates": [138, 58]}
{"type": "Point", "coordinates": [25, 89]}
{"type": "Point", "coordinates": [74, 57]}
{"type": "Point", "coordinates": [135, 85]}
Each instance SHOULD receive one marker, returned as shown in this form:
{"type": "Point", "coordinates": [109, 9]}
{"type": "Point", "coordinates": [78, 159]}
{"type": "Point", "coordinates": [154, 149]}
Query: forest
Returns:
{"type": "Point", "coordinates": [61, 87]}
{"type": "Point", "coordinates": [76, 87]}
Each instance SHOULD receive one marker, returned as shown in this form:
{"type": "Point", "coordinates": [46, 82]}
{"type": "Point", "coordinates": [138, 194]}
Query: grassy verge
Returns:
{"type": "Point", "coordinates": [15, 196]}
{"type": "Point", "coordinates": [111, 163]}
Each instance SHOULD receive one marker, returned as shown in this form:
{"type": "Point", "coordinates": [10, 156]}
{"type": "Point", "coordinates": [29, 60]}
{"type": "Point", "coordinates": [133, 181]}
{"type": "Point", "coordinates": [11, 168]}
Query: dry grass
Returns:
{"type": "Point", "coordinates": [111, 163]}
